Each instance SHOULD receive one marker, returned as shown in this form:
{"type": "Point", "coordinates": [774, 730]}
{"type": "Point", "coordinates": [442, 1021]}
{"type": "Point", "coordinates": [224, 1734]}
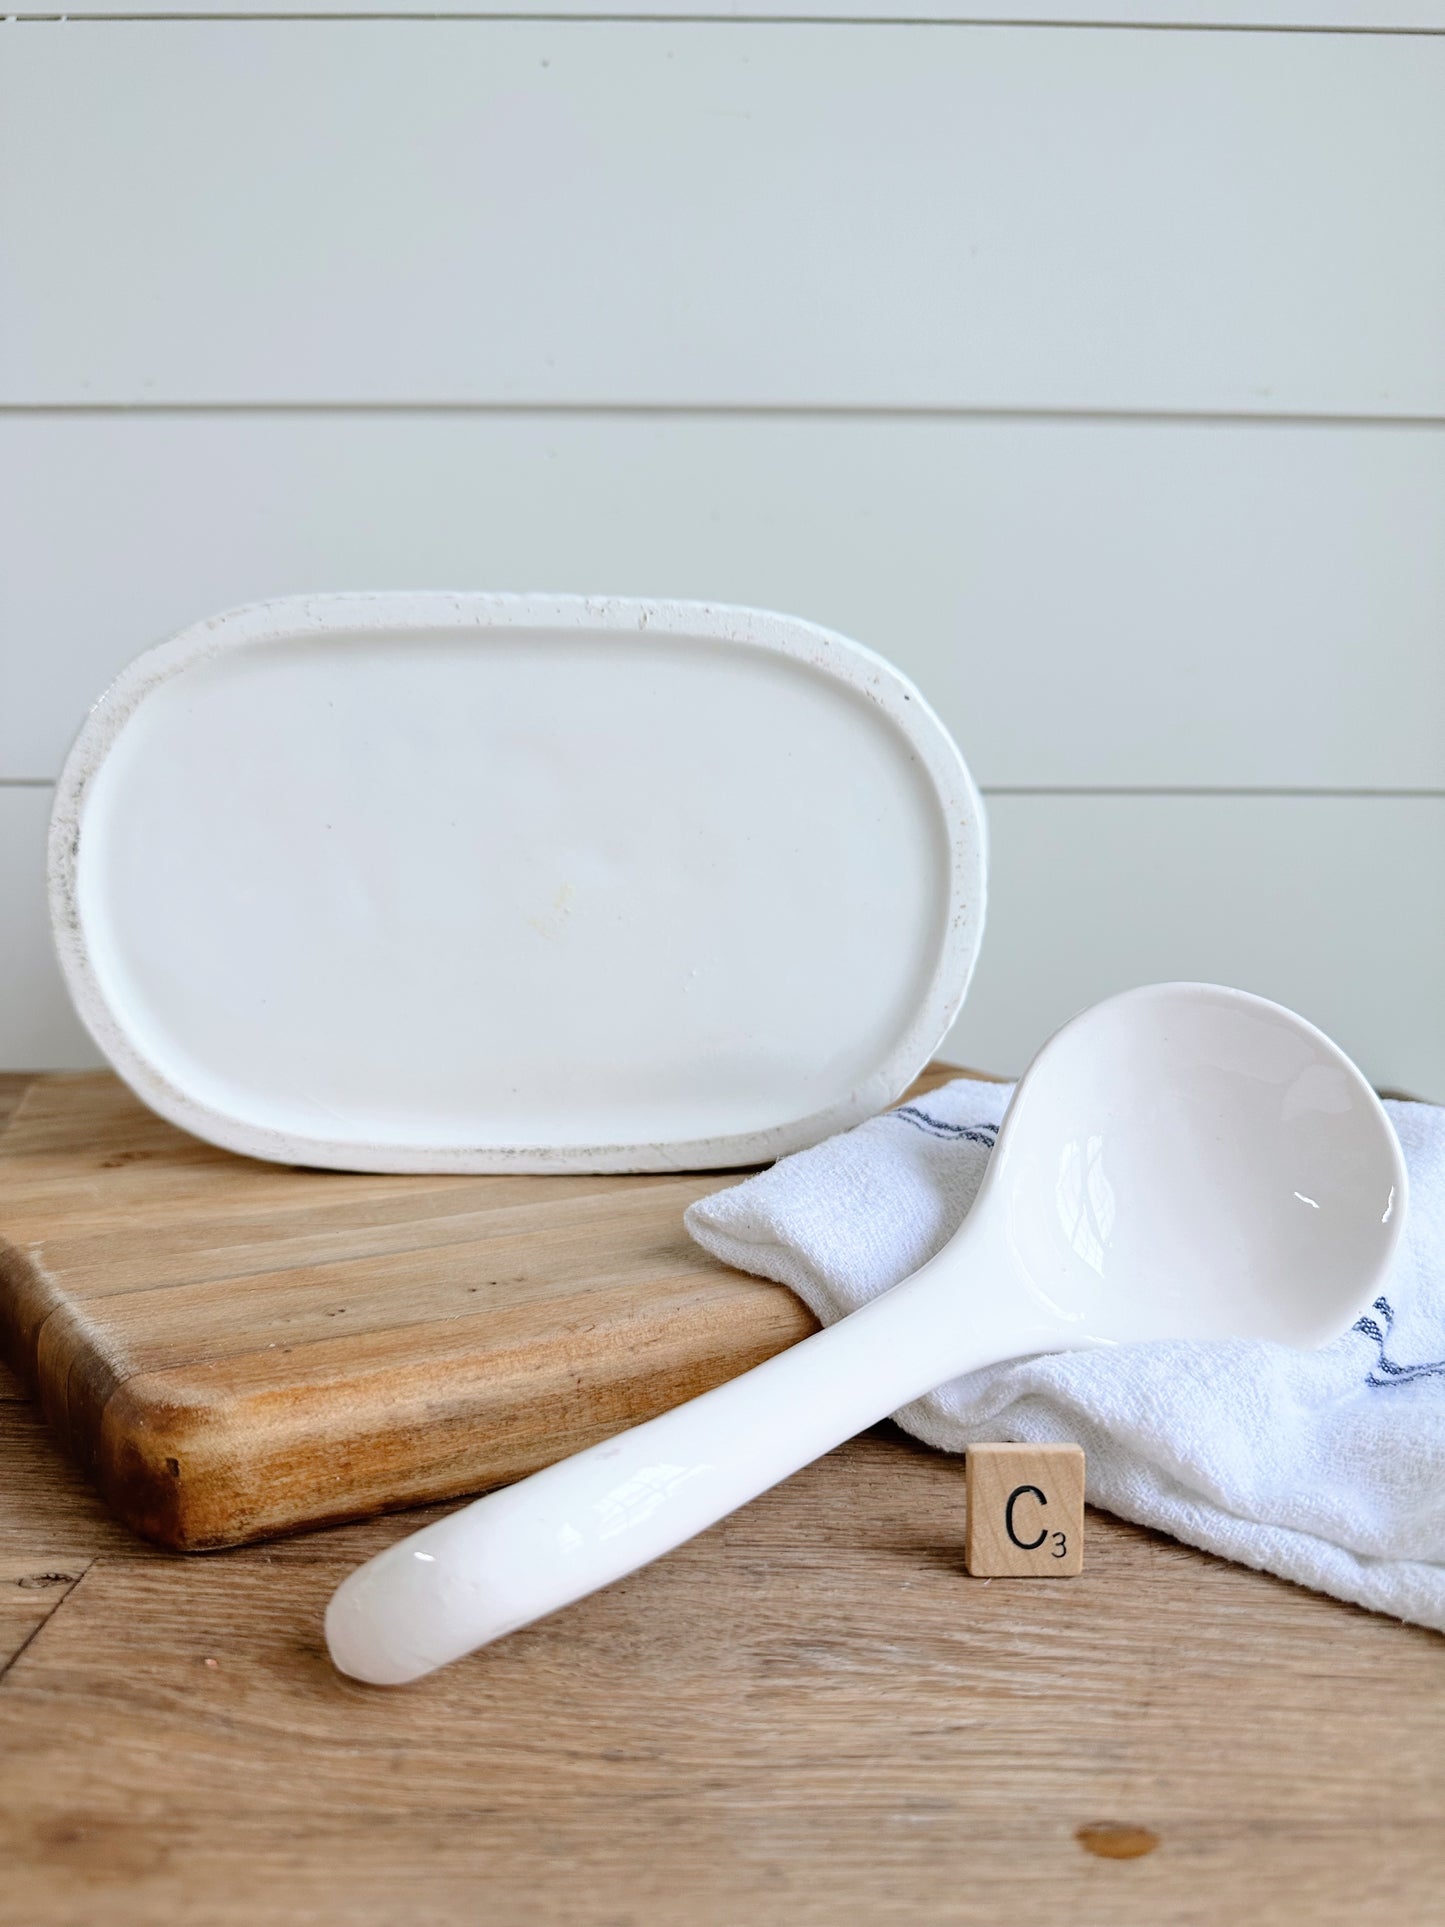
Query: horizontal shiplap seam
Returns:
{"type": "Point", "coordinates": [1370, 29]}
{"type": "Point", "coordinates": [1261, 791]}
{"type": "Point", "coordinates": [740, 411]}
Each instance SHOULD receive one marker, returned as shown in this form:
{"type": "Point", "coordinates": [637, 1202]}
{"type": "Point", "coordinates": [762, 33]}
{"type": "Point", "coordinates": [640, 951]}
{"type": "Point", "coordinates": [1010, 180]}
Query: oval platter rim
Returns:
{"type": "Point", "coordinates": [345, 613]}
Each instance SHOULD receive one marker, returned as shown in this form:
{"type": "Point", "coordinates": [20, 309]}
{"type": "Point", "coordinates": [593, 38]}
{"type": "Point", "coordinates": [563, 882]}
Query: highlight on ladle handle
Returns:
{"type": "Point", "coordinates": [533, 1547]}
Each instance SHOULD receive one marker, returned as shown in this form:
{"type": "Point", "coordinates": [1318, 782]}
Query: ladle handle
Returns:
{"type": "Point", "coordinates": [533, 1547]}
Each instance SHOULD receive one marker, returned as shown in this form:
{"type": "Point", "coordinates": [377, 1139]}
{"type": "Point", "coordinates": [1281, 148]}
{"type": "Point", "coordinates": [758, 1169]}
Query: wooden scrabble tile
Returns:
{"type": "Point", "coordinates": [1025, 1511]}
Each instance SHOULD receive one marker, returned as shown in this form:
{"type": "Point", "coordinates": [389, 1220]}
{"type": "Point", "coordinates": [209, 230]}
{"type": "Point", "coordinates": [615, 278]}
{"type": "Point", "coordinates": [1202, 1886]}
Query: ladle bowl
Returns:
{"type": "Point", "coordinates": [1181, 1161]}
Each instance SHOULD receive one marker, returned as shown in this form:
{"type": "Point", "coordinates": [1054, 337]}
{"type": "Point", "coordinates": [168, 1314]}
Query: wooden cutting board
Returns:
{"type": "Point", "coordinates": [233, 1349]}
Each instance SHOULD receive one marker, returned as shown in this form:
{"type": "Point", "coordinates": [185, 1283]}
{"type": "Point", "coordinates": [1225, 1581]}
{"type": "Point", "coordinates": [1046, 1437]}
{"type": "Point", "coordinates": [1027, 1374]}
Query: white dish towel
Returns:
{"type": "Point", "coordinates": [1326, 1467]}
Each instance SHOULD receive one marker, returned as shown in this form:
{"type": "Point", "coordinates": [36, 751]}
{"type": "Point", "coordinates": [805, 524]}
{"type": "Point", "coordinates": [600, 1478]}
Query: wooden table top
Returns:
{"type": "Point", "coordinates": [809, 1716]}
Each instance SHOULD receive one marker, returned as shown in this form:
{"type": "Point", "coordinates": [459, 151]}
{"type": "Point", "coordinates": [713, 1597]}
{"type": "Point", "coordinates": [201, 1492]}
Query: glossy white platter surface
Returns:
{"type": "Point", "coordinates": [431, 882]}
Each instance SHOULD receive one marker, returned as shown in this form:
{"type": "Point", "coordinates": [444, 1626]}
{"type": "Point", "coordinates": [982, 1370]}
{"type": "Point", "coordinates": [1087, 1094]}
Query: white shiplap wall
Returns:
{"type": "Point", "coordinates": [1094, 373]}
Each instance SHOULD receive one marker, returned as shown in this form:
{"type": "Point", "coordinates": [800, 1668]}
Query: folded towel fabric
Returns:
{"type": "Point", "coordinates": [1326, 1467]}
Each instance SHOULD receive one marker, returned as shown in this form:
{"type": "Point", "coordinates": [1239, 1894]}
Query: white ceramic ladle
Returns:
{"type": "Point", "coordinates": [1181, 1161]}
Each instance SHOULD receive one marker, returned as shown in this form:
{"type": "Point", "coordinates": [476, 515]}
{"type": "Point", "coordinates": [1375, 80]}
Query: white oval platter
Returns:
{"type": "Point", "coordinates": [432, 882]}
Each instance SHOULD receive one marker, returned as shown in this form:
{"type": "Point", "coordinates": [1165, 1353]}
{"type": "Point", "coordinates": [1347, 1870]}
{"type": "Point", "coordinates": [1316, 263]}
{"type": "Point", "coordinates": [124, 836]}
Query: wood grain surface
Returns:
{"type": "Point", "coordinates": [234, 1349]}
{"type": "Point", "coordinates": [808, 1717]}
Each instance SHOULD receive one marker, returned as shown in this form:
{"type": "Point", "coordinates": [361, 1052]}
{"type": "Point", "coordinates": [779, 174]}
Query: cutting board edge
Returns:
{"type": "Point", "coordinates": [132, 1430]}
